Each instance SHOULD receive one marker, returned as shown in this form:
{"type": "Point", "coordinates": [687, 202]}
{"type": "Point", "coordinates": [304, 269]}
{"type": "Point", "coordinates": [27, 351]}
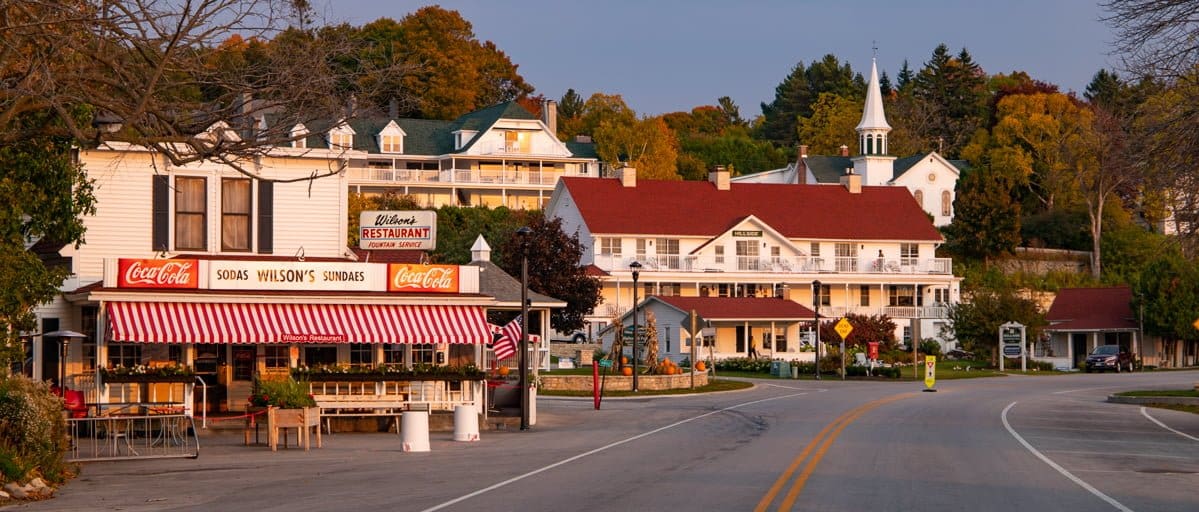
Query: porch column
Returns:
{"type": "Point", "coordinates": [774, 343]}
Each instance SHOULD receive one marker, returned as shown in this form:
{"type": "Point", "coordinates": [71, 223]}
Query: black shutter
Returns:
{"type": "Point", "coordinates": [266, 217]}
{"type": "Point", "coordinates": [161, 222]}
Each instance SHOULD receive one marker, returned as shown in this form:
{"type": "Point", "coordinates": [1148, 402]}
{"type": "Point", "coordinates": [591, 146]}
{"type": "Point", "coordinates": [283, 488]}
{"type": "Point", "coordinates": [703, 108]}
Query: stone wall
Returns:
{"type": "Point", "coordinates": [622, 383]}
{"type": "Point", "coordinates": [574, 351]}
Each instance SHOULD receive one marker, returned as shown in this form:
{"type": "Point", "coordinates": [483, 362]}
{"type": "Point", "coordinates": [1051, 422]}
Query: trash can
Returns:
{"type": "Point", "coordinates": [414, 430]}
{"type": "Point", "coordinates": [778, 369]}
{"type": "Point", "coordinates": [466, 423]}
{"type": "Point", "coordinates": [794, 372]}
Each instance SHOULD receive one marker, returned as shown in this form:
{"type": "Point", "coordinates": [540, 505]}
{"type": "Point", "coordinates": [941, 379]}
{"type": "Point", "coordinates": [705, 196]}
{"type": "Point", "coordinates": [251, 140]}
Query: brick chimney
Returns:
{"type": "Point", "coordinates": [720, 176]}
{"type": "Point", "coordinates": [844, 150]}
{"type": "Point", "coordinates": [549, 115]}
{"type": "Point", "coordinates": [801, 167]}
{"type": "Point", "coordinates": [852, 182]}
{"type": "Point", "coordinates": [628, 177]}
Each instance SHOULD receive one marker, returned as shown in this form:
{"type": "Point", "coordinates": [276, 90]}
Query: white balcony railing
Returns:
{"type": "Point", "coordinates": [890, 311]}
{"type": "Point", "coordinates": [794, 265]}
{"type": "Point", "coordinates": [538, 178]}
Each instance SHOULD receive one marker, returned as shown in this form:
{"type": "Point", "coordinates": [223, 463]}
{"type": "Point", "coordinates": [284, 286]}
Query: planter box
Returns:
{"type": "Point", "coordinates": [303, 420]}
{"type": "Point", "coordinates": [120, 379]}
{"type": "Point", "coordinates": [384, 377]}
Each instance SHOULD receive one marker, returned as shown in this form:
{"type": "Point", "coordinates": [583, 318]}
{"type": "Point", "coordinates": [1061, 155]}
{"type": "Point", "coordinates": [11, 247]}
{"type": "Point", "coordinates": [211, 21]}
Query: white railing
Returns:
{"type": "Point", "coordinates": [792, 265]}
{"type": "Point", "coordinates": [547, 178]}
{"type": "Point", "coordinates": [891, 311]}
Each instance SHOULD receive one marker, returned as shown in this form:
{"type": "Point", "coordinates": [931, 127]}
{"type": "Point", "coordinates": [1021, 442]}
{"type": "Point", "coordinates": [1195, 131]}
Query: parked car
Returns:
{"type": "Point", "coordinates": [1109, 357]}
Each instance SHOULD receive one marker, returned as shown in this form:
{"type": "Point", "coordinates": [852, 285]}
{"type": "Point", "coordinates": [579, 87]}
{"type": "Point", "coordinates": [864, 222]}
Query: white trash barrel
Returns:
{"type": "Point", "coordinates": [466, 423]}
{"type": "Point", "coordinates": [414, 430]}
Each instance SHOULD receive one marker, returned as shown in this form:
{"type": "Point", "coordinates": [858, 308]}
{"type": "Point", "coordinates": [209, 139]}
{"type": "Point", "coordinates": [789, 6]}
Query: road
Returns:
{"type": "Point", "coordinates": [1009, 443]}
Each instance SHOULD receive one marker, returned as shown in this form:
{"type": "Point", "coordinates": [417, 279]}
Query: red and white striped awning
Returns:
{"type": "Point", "coordinates": [177, 322]}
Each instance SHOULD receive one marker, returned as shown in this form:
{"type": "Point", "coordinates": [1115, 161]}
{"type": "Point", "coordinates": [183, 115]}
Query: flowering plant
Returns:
{"type": "Point", "coordinates": [287, 394]}
{"type": "Point", "coordinates": [173, 371]}
{"type": "Point", "coordinates": [389, 372]}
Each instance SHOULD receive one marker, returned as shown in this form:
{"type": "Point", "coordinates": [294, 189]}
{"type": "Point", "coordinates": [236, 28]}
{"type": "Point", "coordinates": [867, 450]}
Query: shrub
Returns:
{"type": "Point", "coordinates": [33, 431]}
{"type": "Point", "coordinates": [744, 364]}
{"type": "Point", "coordinates": [284, 393]}
{"type": "Point", "coordinates": [929, 346]}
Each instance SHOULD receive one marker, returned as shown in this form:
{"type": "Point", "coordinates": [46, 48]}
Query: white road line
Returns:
{"type": "Point", "coordinates": [1145, 413]}
{"type": "Point", "coordinates": [1111, 501]}
{"type": "Point", "coordinates": [600, 449]}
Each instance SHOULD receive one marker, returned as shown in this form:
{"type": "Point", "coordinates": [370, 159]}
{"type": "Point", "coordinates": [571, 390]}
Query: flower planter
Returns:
{"type": "Point", "coordinates": [303, 420]}
{"type": "Point", "coordinates": [120, 379]}
{"type": "Point", "coordinates": [383, 377]}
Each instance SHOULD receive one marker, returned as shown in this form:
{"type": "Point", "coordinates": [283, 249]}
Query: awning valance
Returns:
{"type": "Point", "coordinates": [177, 322]}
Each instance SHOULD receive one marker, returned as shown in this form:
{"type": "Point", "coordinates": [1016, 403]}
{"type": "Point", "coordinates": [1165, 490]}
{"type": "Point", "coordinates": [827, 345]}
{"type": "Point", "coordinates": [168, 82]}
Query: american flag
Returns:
{"type": "Point", "coordinates": [505, 346]}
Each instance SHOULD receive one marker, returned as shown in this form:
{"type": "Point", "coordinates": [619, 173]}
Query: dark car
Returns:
{"type": "Point", "coordinates": [1109, 357]}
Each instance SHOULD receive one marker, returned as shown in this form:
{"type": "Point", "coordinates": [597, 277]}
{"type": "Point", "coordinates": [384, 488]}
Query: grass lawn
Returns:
{"type": "Point", "coordinates": [1193, 409]}
{"type": "Point", "coordinates": [713, 386]}
{"type": "Point", "coordinates": [1162, 392]}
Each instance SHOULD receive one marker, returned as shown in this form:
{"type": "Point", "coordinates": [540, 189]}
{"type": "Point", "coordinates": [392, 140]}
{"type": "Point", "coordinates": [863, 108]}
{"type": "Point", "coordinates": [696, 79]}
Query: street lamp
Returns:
{"type": "Point", "coordinates": [636, 268]}
{"type": "Point", "coordinates": [523, 235]}
{"type": "Point", "coordinates": [816, 299]}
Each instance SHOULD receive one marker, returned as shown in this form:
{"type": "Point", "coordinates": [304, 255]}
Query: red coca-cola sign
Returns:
{"type": "Point", "coordinates": [422, 278]}
{"type": "Point", "coordinates": [137, 273]}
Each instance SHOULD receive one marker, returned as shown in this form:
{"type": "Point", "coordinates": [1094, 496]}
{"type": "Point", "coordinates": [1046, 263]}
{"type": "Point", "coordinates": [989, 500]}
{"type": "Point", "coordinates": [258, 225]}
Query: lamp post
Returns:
{"type": "Point", "coordinates": [816, 299]}
{"type": "Point", "coordinates": [64, 338]}
{"type": "Point", "coordinates": [636, 268]}
{"type": "Point", "coordinates": [523, 235]}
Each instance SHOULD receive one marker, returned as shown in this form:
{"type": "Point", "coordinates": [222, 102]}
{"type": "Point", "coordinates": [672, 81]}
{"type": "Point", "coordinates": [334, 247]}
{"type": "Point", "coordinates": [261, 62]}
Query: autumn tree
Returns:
{"type": "Point", "coordinates": [553, 269]}
{"type": "Point", "coordinates": [866, 328]}
{"type": "Point", "coordinates": [796, 95]}
{"type": "Point", "coordinates": [647, 145]}
{"type": "Point", "coordinates": [832, 124]}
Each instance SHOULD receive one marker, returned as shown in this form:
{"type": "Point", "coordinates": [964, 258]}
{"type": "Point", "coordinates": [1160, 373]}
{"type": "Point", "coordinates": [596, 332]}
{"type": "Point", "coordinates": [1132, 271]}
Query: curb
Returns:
{"type": "Point", "coordinates": [1153, 400]}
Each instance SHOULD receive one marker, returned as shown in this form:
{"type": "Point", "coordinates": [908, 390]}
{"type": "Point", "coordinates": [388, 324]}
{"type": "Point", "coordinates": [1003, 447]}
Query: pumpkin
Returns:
{"type": "Point", "coordinates": [624, 360]}
{"type": "Point", "coordinates": [503, 370]}
{"type": "Point", "coordinates": [700, 366]}
{"type": "Point", "coordinates": [626, 371]}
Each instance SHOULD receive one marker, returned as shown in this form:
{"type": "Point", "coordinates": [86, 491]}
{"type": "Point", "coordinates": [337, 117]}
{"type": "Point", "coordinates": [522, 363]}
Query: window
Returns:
{"type": "Point", "coordinates": [909, 254]}
{"type": "Point", "coordinates": [124, 354]}
{"type": "Point", "coordinates": [276, 357]}
{"type": "Point", "coordinates": [668, 253]}
{"type": "Point", "coordinates": [941, 295]}
{"type": "Point", "coordinates": [946, 203]}
{"type": "Point", "coordinates": [640, 249]}
{"type": "Point", "coordinates": [719, 254]}
{"type": "Point", "coordinates": [823, 295]}
{"type": "Point", "coordinates": [610, 246]}
{"type": "Point", "coordinates": [87, 320]}
{"type": "Point", "coordinates": [390, 144]}
{"type": "Point", "coordinates": [919, 195]}
{"type": "Point", "coordinates": [863, 295]}
{"type": "Point", "coordinates": [235, 214]}
{"type": "Point", "coordinates": [517, 141]}
{"type": "Point", "coordinates": [670, 289]}
{"type": "Point", "coordinates": [815, 252]}
{"type": "Point", "coordinates": [341, 140]}
{"type": "Point", "coordinates": [847, 257]}
{"type": "Point", "coordinates": [422, 353]}
{"type": "Point", "coordinates": [361, 354]}
{"type": "Point", "coordinates": [299, 137]}
{"type": "Point", "coordinates": [190, 213]}
{"type": "Point", "coordinates": [393, 353]}
{"type": "Point", "coordinates": [901, 295]}
{"type": "Point", "coordinates": [747, 254]}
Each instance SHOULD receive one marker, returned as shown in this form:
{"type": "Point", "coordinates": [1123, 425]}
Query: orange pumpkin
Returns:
{"type": "Point", "coordinates": [503, 370]}
{"type": "Point", "coordinates": [626, 371]}
{"type": "Point", "coordinates": [624, 360]}
{"type": "Point", "coordinates": [700, 366]}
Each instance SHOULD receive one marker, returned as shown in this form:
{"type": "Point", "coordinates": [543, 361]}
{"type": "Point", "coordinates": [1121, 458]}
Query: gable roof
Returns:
{"type": "Point", "coordinates": [1092, 309]}
{"type": "Point", "coordinates": [697, 208]}
{"type": "Point", "coordinates": [827, 169]}
{"type": "Point", "coordinates": [739, 308]}
{"type": "Point", "coordinates": [506, 289]}
{"type": "Point", "coordinates": [903, 165]}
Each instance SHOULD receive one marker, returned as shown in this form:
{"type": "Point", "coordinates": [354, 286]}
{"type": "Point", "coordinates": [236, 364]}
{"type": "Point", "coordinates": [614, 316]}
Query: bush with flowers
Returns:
{"type": "Point", "coordinates": [388, 372]}
{"type": "Point", "coordinates": [173, 372]}
{"type": "Point", "coordinates": [283, 393]}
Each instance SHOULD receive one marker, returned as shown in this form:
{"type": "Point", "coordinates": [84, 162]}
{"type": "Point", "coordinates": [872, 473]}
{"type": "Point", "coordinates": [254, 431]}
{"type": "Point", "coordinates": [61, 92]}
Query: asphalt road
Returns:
{"type": "Point", "coordinates": [1012, 443]}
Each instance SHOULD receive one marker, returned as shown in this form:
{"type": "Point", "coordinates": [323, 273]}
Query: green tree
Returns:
{"type": "Point", "coordinates": [975, 322]}
{"type": "Point", "coordinates": [955, 88]}
{"type": "Point", "coordinates": [553, 269]}
{"type": "Point", "coordinates": [832, 124]}
{"type": "Point", "coordinates": [792, 98]}
{"type": "Point", "coordinates": [647, 145]}
{"type": "Point", "coordinates": [732, 113]}
{"type": "Point", "coordinates": [1167, 293]}
{"type": "Point", "coordinates": [1055, 135]}
{"type": "Point", "coordinates": [986, 219]}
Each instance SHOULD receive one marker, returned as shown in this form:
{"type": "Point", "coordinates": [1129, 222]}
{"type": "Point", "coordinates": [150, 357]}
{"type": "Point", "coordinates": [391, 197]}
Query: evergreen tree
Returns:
{"type": "Point", "coordinates": [986, 219]}
{"type": "Point", "coordinates": [955, 89]}
{"type": "Point", "coordinates": [792, 98]}
{"type": "Point", "coordinates": [905, 76]}
{"type": "Point", "coordinates": [884, 84]}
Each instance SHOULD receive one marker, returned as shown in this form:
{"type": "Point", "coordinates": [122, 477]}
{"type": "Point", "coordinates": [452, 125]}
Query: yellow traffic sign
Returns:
{"type": "Point", "coordinates": [930, 371]}
{"type": "Point", "coordinates": [1196, 324]}
{"type": "Point", "coordinates": [843, 328]}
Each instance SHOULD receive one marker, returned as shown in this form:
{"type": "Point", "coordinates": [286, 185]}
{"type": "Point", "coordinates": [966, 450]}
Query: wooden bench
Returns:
{"type": "Point", "coordinates": [344, 406]}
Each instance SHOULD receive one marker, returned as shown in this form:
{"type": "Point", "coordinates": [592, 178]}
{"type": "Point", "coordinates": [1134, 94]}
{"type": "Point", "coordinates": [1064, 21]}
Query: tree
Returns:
{"type": "Point", "coordinates": [975, 323]}
{"type": "Point", "coordinates": [1167, 293]}
{"type": "Point", "coordinates": [647, 145]}
{"type": "Point", "coordinates": [1157, 37]}
{"type": "Point", "coordinates": [1051, 132]}
{"type": "Point", "coordinates": [144, 73]}
{"type": "Point", "coordinates": [553, 269]}
{"type": "Point", "coordinates": [1101, 169]}
{"type": "Point", "coordinates": [833, 123]}
{"type": "Point", "coordinates": [955, 88]}
{"type": "Point", "coordinates": [987, 219]}
{"type": "Point", "coordinates": [791, 99]}
{"type": "Point", "coordinates": [905, 76]}
{"type": "Point", "coordinates": [732, 113]}
{"type": "Point", "coordinates": [866, 328]}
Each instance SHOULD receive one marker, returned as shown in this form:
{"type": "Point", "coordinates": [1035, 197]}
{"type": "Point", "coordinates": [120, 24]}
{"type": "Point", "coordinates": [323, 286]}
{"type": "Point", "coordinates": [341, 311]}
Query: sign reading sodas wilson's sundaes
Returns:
{"type": "Point", "coordinates": [155, 273]}
{"type": "Point", "coordinates": [409, 229]}
{"type": "Point", "coordinates": [403, 277]}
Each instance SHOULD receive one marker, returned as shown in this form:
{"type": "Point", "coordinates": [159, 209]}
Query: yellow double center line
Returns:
{"type": "Point", "coordinates": [820, 444]}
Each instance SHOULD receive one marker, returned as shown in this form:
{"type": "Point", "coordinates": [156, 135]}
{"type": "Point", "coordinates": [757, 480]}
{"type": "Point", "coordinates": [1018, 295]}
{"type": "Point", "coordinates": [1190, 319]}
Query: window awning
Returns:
{"type": "Point", "coordinates": [176, 322]}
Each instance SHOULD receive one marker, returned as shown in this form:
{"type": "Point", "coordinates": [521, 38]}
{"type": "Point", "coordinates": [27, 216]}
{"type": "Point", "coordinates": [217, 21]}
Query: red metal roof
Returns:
{"type": "Point", "coordinates": [1092, 309]}
{"type": "Point", "coordinates": [594, 271]}
{"type": "Point", "coordinates": [697, 208]}
{"type": "Point", "coordinates": [388, 256]}
{"type": "Point", "coordinates": [738, 308]}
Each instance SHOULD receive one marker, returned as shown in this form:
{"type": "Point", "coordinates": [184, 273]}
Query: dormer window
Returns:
{"type": "Point", "coordinates": [340, 140]}
{"type": "Point", "coordinates": [391, 144]}
{"type": "Point", "coordinates": [299, 136]}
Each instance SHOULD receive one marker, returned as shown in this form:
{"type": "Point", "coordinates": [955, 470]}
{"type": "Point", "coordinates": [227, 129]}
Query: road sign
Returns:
{"type": "Point", "coordinates": [843, 328]}
{"type": "Point", "coordinates": [930, 371]}
{"type": "Point", "coordinates": [700, 322]}
{"type": "Point", "coordinates": [1196, 324]}
{"type": "Point", "coordinates": [1011, 350]}
{"type": "Point", "coordinates": [605, 363]}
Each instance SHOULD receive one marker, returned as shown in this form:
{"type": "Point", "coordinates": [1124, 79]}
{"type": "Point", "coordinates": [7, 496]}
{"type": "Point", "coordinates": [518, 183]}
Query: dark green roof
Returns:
{"type": "Point", "coordinates": [582, 149]}
{"type": "Point", "coordinates": [482, 120]}
{"type": "Point", "coordinates": [828, 169]}
{"type": "Point", "coordinates": [903, 164]}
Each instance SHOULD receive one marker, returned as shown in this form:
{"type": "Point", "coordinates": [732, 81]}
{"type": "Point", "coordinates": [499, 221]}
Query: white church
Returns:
{"type": "Point", "coordinates": [930, 177]}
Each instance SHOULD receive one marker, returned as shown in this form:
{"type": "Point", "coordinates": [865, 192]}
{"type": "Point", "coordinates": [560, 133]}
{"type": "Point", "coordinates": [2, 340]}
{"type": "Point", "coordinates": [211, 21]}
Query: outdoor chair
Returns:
{"type": "Point", "coordinates": [75, 403]}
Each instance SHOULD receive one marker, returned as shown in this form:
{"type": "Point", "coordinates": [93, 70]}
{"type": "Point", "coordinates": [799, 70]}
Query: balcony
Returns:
{"type": "Point", "coordinates": [534, 178]}
{"type": "Point", "coordinates": [780, 265]}
{"type": "Point", "coordinates": [938, 311]}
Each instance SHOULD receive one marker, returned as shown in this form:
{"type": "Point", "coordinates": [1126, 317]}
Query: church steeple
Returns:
{"type": "Point", "coordinates": [873, 130]}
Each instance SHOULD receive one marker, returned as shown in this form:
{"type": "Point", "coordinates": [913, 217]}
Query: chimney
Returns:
{"type": "Point", "coordinates": [393, 107]}
{"type": "Point", "coordinates": [801, 167]}
{"type": "Point", "coordinates": [720, 176]}
{"type": "Point", "coordinates": [583, 139]}
{"type": "Point", "coordinates": [852, 182]}
{"type": "Point", "coordinates": [844, 150]}
{"type": "Point", "coordinates": [549, 115]}
{"type": "Point", "coordinates": [628, 177]}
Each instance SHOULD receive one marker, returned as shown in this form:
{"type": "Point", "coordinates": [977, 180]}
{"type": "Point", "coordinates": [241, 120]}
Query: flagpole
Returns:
{"type": "Point", "coordinates": [524, 327]}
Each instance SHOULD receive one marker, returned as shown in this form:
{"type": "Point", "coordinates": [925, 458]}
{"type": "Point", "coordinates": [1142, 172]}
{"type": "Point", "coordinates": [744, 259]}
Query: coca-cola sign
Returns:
{"type": "Point", "coordinates": [422, 278]}
{"type": "Point", "coordinates": [175, 273]}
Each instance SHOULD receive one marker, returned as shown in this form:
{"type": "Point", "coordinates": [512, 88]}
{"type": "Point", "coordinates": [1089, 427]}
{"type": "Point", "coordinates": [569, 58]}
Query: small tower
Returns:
{"type": "Point", "coordinates": [480, 251]}
{"type": "Point", "coordinates": [873, 163]}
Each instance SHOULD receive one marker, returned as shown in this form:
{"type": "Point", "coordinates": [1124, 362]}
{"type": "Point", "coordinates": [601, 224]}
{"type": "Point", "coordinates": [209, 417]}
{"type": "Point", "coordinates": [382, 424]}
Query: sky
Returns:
{"type": "Point", "coordinates": [673, 55]}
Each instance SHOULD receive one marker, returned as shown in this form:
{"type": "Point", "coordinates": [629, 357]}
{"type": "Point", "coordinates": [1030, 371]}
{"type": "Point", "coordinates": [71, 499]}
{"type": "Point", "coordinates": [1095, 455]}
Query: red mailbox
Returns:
{"type": "Point", "coordinates": [872, 350]}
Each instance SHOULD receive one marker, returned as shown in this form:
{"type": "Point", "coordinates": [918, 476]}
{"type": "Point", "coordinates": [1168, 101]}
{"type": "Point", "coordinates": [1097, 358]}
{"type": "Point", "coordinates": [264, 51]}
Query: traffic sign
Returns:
{"type": "Point", "coordinates": [930, 371]}
{"type": "Point", "coordinates": [605, 363]}
{"type": "Point", "coordinates": [700, 322]}
{"type": "Point", "coordinates": [843, 328]}
{"type": "Point", "coordinates": [1011, 350]}
{"type": "Point", "coordinates": [1196, 324]}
